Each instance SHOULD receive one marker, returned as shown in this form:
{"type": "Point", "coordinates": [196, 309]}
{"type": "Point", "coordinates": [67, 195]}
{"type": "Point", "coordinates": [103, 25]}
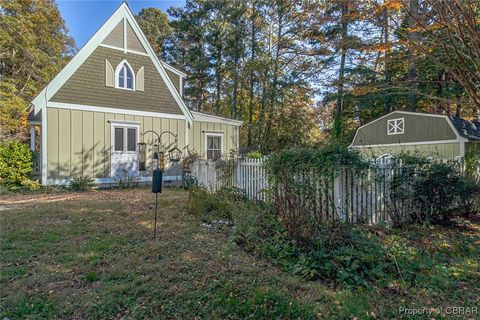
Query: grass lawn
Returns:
{"type": "Point", "coordinates": [91, 255]}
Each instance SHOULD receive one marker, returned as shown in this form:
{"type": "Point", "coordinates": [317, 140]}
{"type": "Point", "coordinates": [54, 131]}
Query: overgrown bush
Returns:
{"type": "Point", "coordinates": [436, 188]}
{"type": "Point", "coordinates": [297, 177]}
{"type": "Point", "coordinates": [468, 200]}
{"type": "Point", "coordinates": [226, 167]}
{"type": "Point", "coordinates": [343, 253]}
{"type": "Point", "coordinates": [126, 180]}
{"type": "Point", "coordinates": [255, 155]}
{"type": "Point", "coordinates": [189, 160]}
{"type": "Point", "coordinates": [340, 254]}
{"type": "Point", "coordinates": [209, 206]}
{"type": "Point", "coordinates": [255, 223]}
{"type": "Point", "coordinates": [436, 191]}
{"type": "Point", "coordinates": [81, 184]}
{"type": "Point", "coordinates": [16, 165]}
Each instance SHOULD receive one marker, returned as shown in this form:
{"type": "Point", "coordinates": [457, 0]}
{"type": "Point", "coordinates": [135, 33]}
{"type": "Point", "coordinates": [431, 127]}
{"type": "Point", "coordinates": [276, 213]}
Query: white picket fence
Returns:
{"type": "Point", "coordinates": [348, 195]}
{"type": "Point", "coordinates": [251, 178]}
{"type": "Point", "coordinates": [249, 175]}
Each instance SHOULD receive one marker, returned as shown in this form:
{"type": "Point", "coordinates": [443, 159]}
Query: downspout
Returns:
{"type": "Point", "coordinates": [43, 144]}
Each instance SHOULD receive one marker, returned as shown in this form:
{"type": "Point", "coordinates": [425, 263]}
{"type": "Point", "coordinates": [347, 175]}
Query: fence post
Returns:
{"type": "Point", "coordinates": [338, 186]}
{"type": "Point", "coordinates": [238, 173]}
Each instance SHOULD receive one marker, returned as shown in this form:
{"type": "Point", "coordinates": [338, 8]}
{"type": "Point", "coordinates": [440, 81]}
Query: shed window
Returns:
{"type": "Point", "coordinates": [396, 126]}
{"type": "Point", "coordinates": [214, 147]}
{"type": "Point", "coordinates": [124, 76]}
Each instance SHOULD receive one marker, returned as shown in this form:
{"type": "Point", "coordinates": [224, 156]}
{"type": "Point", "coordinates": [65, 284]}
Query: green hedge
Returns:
{"type": "Point", "coordinates": [15, 164]}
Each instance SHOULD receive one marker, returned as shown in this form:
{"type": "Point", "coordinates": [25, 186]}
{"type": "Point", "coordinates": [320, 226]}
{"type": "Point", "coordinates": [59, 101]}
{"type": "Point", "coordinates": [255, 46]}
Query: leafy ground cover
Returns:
{"type": "Point", "coordinates": [91, 255]}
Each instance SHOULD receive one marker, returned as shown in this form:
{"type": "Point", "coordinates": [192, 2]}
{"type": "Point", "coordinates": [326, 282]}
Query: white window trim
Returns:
{"type": "Point", "coordinates": [199, 116]}
{"type": "Point", "coordinates": [71, 106]}
{"type": "Point", "coordinates": [117, 71]}
{"type": "Point", "coordinates": [394, 123]}
{"type": "Point", "coordinates": [124, 126]}
{"type": "Point", "coordinates": [214, 134]}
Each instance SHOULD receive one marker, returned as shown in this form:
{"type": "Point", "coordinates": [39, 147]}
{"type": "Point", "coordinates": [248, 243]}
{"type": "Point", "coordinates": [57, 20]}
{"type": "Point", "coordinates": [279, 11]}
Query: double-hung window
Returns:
{"type": "Point", "coordinates": [214, 146]}
{"type": "Point", "coordinates": [125, 139]}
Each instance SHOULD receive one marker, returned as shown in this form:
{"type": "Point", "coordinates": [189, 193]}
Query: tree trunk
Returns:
{"type": "Point", "coordinates": [252, 80]}
{"type": "Point", "coordinates": [218, 80]}
{"type": "Point", "coordinates": [235, 86]}
{"type": "Point", "coordinates": [388, 99]}
{"type": "Point", "coordinates": [338, 126]}
{"type": "Point", "coordinates": [413, 36]}
{"type": "Point", "coordinates": [273, 91]}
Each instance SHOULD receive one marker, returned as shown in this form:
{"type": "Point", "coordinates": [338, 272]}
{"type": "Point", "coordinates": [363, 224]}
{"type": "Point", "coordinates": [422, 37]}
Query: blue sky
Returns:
{"type": "Point", "coordinates": [84, 17]}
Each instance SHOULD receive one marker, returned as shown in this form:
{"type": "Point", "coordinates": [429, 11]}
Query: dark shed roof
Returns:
{"type": "Point", "coordinates": [34, 118]}
{"type": "Point", "coordinates": [468, 129]}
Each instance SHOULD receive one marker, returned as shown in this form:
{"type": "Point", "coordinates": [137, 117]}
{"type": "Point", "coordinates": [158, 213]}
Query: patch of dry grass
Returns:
{"type": "Point", "coordinates": [91, 255]}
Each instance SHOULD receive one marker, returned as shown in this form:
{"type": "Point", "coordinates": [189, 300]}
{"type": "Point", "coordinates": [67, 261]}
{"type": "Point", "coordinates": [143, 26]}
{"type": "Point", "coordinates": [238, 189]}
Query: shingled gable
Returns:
{"type": "Point", "coordinates": [123, 13]}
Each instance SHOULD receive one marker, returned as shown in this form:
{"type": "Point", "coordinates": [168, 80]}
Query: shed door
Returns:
{"type": "Point", "coordinates": [124, 150]}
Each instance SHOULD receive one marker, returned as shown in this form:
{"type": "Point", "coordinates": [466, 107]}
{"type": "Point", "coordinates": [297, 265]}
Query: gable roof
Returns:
{"type": "Point", "coordinates": [207, 117]}
{"type": "Point", "coordinates": [123, 13]}
{"type": "Point", "coordinates": [173, 69]}
{"type": "Point", "coordinates": [468, 129]}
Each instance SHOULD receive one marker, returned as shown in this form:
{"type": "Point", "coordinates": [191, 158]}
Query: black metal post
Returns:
{"type": "Point", "coordinates": [155, 225]}
{"type": "Point", "coordinates": [157, 185]}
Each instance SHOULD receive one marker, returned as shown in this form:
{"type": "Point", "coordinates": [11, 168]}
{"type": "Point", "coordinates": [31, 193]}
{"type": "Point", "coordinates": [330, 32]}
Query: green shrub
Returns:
{"type": "Point", "coordinates": [439, 192]}
{"type": "Point", "coordinates": [15, 165]}
{"type": "Point", "coordinates": [255, 155]}
{"type": "Point", "coordinates": [435, 191]}
{"type": "Point", "coordinates": [344, 254]}
{"type": "Point", "coordinates": [255, 223]}
{"type": "Point", "coordinates": [436, 187]}
{"type": "Point", "coordinates": [468, 202]}
{"type": "Point", "coordinates": [209, 206]}
{"type": "Point", "coordinates": [294, 178]}
{"type": "Point", "coordinates": [81, 184]}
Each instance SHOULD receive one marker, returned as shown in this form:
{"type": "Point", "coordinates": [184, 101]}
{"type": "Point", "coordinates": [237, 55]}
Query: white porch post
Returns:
{"type": "Point", "coordinates": [32, 138]}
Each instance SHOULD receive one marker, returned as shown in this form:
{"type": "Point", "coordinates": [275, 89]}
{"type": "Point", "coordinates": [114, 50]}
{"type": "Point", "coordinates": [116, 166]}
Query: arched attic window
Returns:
{"type": "Point", "coordinates": [124, 76]}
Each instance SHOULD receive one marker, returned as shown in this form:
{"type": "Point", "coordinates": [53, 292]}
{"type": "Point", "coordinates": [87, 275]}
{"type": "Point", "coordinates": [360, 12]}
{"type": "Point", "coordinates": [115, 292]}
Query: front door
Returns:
{"type": "Point", "coordinates": [124, 150]}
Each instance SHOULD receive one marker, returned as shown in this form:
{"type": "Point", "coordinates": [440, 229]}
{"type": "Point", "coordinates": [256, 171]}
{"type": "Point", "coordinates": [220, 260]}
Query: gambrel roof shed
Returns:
{"type": "Point", "coordinates": [429, 134]}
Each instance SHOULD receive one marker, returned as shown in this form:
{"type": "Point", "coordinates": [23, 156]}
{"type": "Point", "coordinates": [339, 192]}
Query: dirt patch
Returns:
{"type": "Point", "coordinates": [127, 196]}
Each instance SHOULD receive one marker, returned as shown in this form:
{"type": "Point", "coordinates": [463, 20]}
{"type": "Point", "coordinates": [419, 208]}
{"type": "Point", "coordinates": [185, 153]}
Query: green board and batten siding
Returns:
{"type": "Point", "coordinates": [424, 134]}
{"type": "Point", "coordinates": [79, 142]}
{"type": "Point", "coordinates": [439, 150]}
{"type": "Point", "coordinates": [196, 136]}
